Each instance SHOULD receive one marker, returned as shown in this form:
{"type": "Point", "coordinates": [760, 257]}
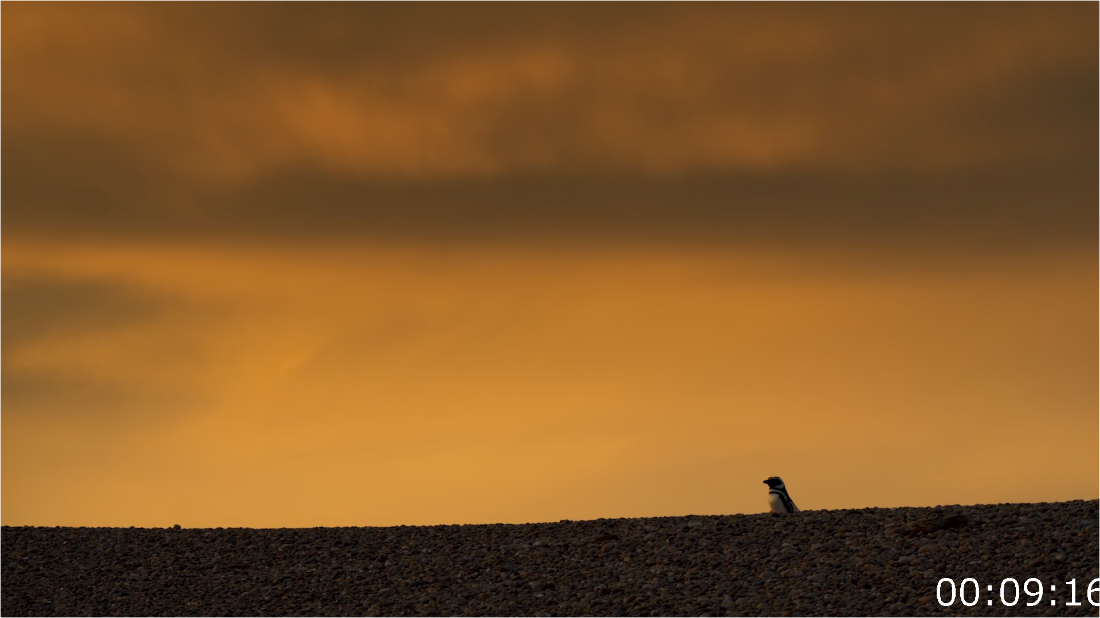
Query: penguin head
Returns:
{"type": "Point", "coordinates": [774, 482]}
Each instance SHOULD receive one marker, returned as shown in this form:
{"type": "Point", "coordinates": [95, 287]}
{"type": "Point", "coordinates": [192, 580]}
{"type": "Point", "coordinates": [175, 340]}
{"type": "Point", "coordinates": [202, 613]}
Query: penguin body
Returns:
{"type": "Point", "coordinates": [778, 498]}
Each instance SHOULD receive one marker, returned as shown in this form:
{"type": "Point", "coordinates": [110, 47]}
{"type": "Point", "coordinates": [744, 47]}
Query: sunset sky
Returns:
{"type": "Point", "coordinates": [377, 264]}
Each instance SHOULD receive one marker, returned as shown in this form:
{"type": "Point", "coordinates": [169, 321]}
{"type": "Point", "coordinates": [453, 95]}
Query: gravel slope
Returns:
{"type": "Point", "coordinates": [848, 562]}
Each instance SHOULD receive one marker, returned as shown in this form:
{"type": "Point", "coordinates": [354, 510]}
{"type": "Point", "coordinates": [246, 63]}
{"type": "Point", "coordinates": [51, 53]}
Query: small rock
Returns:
{"type": "Point", "coordinates": [934, 524]}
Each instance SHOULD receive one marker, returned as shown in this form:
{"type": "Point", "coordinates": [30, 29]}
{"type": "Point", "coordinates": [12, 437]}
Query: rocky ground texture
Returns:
{"type": "Point", "coordinates": [846, 562]}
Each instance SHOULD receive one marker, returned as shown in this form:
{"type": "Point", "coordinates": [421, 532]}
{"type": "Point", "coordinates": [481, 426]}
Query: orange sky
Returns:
{"type": "Point", "coordinates": [300, 265]}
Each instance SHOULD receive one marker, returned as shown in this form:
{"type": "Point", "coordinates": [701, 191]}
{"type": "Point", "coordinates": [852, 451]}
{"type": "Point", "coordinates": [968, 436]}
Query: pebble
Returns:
{"type": "Point", "coordinates": [843, 562]}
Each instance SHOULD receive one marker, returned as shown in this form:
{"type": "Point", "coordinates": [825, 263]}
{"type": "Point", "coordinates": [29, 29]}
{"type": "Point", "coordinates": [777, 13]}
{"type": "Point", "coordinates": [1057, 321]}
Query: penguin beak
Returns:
{"type": "Point", "coordinates": [765, 482]}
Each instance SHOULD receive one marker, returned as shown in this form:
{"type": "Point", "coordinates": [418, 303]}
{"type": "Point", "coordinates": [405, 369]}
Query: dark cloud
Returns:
{"type": "Point", "coordinates": [37, 308]}
{"type": "Point", "coordinates": [963, 125]}
{"type": "Point", "coordinates": [969, 212]}
{"type": "Point", "coordinates": [58, 395]}
{"type": "Point", "coordinates": [730, 210]}
{"type": "Point", "coordinates": [64, 315]}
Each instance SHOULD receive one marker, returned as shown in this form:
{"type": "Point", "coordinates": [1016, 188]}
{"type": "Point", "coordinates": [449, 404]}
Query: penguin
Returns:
{"type": "Point", "coordinates": [778, 497]}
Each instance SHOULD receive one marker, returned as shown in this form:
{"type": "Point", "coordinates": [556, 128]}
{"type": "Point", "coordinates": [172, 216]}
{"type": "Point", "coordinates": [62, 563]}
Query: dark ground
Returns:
{"type": "Point", "coordinates": [850, 562]}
